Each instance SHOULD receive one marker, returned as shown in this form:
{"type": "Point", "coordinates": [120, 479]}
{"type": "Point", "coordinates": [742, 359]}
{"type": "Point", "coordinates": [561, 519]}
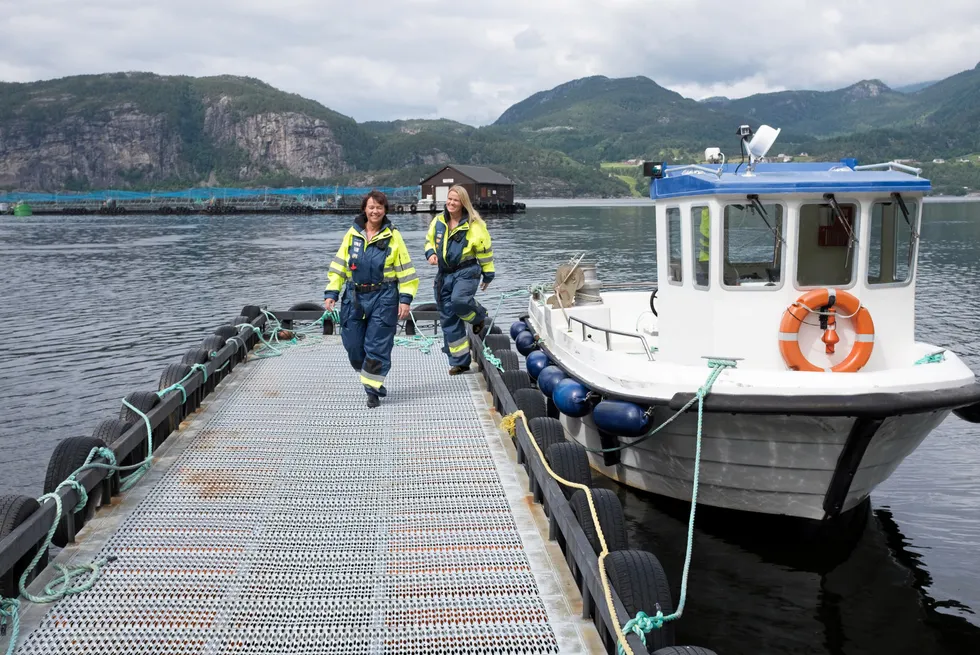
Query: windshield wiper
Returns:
{"type": "Point", "coordinates": [757, 206]}
{"type": "Point", "coordinates": [839, 213]}
{"type": "Point", "coordinates": [914, 236]}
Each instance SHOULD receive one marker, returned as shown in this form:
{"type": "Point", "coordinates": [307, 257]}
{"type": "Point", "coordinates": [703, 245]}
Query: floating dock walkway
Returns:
{"type": "Point", "coordinates": [281, 515]}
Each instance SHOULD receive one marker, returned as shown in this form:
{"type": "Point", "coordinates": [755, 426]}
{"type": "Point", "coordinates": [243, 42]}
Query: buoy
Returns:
{"type": "Point", "coordinates": [620, 418]}
{"type": "Point", "coordinates": [570, 398]}
{"type": "Point", "coordinates": [548, 378]}
{"type": "Point", "coordinates": [537, 360]}
{"type": "Point", "coordinates": [516, 328]}
{"type": "Point", "coordinates": [525, 343]}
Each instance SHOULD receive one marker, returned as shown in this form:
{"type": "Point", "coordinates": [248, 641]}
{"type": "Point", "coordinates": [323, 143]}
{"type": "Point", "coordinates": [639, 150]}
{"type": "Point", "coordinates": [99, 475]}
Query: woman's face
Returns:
{"type": "Point", "coordinates": [453, 205]}
{"type": "Point", "coordinates": [374, 210]}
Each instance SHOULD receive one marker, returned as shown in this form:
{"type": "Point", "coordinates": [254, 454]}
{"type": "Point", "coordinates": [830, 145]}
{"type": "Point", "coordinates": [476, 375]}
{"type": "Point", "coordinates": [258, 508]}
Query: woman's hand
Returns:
{"type": "Point", "coordinates": [403, 310]}
{"type": "Point", "coordinates": [433, 260]}
{"type": "Point", "coordinates": [329, 304]}
{"type": "Point", "coordinates": [484, 285]}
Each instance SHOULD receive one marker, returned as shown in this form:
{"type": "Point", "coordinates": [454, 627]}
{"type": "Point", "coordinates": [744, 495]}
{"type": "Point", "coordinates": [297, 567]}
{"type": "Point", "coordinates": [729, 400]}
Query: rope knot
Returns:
{"type": "Point", "coordinates": [643, 623]}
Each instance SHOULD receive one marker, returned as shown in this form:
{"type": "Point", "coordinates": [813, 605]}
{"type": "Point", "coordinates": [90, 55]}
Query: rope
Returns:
{"type": "Point", "coordinates": [10, 613]}
{"type": "Point", "coordinates": [642, 623]}
{"type": "Point", "coordinates": [487, 353]}
{"type": "Point", "coordinates": [932, 358]}
{"type": "Point", "coordinates": [418, 341]}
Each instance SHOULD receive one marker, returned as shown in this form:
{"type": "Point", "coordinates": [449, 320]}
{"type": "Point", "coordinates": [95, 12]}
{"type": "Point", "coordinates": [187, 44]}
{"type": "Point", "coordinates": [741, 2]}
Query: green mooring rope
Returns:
{"type": "Point", "coordinates": [487, 353]}
{"type": "Point", "coordinates": [643, 623]}
{"type": "Point", "coordinates": [932, 358]}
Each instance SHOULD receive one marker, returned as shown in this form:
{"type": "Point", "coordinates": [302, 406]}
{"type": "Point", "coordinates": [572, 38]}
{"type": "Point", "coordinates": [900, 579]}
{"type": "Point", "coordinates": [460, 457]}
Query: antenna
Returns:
{"type": "Point", "coordinates": [763, 139]}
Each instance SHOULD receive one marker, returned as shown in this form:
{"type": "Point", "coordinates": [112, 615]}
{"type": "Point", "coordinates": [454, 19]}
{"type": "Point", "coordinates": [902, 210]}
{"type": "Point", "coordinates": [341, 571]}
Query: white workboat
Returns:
{"type": "Point", "coordinates": [803, 275]}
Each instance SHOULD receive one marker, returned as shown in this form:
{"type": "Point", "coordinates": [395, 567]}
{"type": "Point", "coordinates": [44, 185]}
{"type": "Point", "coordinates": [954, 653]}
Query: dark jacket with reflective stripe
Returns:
{"type": "Point", "coordinates": [384, 258]}
{"type": "Point", "coordinates": [469, 243]}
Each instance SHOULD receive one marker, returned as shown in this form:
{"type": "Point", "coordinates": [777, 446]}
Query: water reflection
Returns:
{"type": "Point", "coordinates": [764, 586]}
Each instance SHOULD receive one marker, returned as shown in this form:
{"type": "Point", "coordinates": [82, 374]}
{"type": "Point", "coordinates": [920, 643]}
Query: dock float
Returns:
{"type": "Point", "coordinates": [277, 514]}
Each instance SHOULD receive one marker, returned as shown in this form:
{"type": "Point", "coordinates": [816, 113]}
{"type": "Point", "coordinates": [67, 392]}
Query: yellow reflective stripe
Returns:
{"type": "Point", "coordinates": [339, 270]}
{"type": "Point", "coordinates": [485, 256]}
{"type": "Point", "coordinates": [460, 346]}
{"type": "Point", "coordinates": [374, 384]}
{"type": "Point", "coordinates": [407, 277]}
{"type": "Point", "coordinates": [469, 317]}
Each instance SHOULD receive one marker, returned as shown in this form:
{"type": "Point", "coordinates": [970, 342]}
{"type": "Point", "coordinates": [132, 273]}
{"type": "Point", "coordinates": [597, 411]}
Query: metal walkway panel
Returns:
{"type": "Point", "coordinates": [296, 520]}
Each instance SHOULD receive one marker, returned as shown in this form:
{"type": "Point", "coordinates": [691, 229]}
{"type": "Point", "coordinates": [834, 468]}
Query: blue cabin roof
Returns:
{"type": "Point", "coordinates": [771, 178]}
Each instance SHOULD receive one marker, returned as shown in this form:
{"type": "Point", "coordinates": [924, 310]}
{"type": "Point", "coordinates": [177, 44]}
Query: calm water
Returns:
{"type": "Point", "coordinates": [96, 307]}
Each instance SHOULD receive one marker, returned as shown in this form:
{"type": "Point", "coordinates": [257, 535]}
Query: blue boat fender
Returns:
{"type": "Point", "coordinates": [516, 328]}
{"type": "Point", "coordinates": [572, 398]}
{"type": "Point", "coordinates": [621, 418]}
{"type": "Point", "coordinates": [525, 343]}
{"type": "Point", "coordinates": [549, 377]}
{"type": "Point", "coordinates": [536, 362]}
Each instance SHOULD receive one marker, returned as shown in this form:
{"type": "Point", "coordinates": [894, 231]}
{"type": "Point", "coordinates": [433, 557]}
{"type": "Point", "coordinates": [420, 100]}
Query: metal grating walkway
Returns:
{"type": "Point", "coordinates": [296, 520]}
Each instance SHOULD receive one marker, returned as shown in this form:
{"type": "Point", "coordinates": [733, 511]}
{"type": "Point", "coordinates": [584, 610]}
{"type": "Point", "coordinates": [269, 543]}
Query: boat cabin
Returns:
{"type": "Point", "coordinates": [738, 245]}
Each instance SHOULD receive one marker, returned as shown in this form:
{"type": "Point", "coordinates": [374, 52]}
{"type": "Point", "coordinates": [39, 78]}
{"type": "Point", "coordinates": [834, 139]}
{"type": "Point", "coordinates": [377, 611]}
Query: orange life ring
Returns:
{"type": "Point", "coordinates": [789, 329]}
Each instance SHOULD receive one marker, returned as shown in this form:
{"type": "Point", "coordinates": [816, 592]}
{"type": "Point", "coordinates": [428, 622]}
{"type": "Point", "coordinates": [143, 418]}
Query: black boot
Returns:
{"type": "Point", "coordinates": [373, 401]}
{"type": "Point", "coordinates": [456, 370]}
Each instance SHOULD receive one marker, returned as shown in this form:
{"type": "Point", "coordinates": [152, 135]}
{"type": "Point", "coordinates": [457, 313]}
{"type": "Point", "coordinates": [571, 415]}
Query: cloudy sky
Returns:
{"type": "Point", "coordinates": [388, 59]}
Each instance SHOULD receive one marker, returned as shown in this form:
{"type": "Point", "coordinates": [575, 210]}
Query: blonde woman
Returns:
{"type": "Point", "coordinates": [459, 244]}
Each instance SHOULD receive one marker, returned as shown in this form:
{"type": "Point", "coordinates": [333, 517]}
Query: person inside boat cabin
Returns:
{"type": "Point", "coordinates": [704, 242]}
{"type": "Point", "coordinates": [459, 243]}
{"type": "Point", "coordinates": [381, 283]}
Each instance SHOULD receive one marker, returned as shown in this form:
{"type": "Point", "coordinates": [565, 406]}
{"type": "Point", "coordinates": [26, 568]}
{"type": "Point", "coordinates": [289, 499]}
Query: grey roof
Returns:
{"type": "Point", "coordinates": [481, 174]}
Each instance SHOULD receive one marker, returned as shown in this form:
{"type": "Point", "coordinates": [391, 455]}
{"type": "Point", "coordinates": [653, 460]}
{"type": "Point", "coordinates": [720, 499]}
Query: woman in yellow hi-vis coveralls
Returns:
{"type": "Point", "coordinates": [381, 284]}
{"type": "Point", "coordinates": [459, 243]}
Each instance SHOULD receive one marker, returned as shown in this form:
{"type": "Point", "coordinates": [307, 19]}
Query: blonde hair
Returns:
{"type": "Point", "coordinates": [464, 199]}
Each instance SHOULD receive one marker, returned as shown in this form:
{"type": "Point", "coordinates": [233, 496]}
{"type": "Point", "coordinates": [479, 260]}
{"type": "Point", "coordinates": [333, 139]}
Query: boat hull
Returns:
{"type": "Point", "coordinates": [803, 466]}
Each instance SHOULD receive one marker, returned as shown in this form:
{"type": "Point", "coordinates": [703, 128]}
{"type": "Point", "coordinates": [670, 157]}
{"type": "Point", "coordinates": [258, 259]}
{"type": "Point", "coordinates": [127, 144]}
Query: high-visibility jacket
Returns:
{"type": "Point", "coordinates": [384, 258]}
{"type": "Point", "coordinates": [467, 244]}
{"type": "Point", "coordinates": [704, 236]}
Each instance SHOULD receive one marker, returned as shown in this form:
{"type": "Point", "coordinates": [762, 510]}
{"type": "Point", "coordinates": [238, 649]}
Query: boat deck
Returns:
{"type": "Point", "coordinates": [286, 517]}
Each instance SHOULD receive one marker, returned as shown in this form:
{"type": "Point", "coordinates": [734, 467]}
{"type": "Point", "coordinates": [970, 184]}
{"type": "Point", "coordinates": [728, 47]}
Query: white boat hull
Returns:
{"type": "Point", "coordinates": [766, 464]}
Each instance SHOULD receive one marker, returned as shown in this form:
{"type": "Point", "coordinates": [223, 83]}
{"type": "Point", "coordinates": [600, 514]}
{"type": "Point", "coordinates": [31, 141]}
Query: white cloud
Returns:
{"type": "Point", "coordinates": [388, 59]}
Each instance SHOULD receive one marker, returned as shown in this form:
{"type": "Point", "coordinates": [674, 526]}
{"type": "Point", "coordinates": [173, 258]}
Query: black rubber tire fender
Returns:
{"type": "Point", "coordinates": [546, 431]}
{"type": "Point", "coordinates": [144, 401]}
{"type": "Point", "coordinates": [516, 380]}
{"type": "Point", "coordinates": [251, 312]}
{"type": "Point", "coordinates": [426, 307]}
{"type": "Point", "coordinates": [199, 356]}
{"type": "Point", "coordinates": [531, 402]}
{"type": "Point", "coordinates": [611, 519]}
{"type": "Point", "coordinates": [173, 374]}
{"type": "Point", "coordinates": [641, 584]}
{"type": "Point", "coordinates": [308, 307]}
{"type": "Point", "coordinates": [508, 359]}
{"type": "Point", "coordinates": [14, 510]}
{"type": "Point", "coordinates": [67, 456]}
{"type": "Point", "coordinates": [570, 461]}
{"type": "Point", "coordinates": [497, 342]}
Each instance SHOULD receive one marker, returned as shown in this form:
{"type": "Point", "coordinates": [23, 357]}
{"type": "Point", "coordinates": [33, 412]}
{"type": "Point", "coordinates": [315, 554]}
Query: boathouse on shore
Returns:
{"type": "Point", "coordinates": [486, 186]}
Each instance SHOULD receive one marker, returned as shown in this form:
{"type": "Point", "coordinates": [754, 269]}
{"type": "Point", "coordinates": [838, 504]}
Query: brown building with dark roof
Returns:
{"type": "Point", "coordinates": [488, 189]}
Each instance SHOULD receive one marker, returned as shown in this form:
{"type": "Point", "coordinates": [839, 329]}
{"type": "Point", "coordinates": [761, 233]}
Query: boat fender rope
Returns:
{"type": "Point", "coordinates": [642, 621]}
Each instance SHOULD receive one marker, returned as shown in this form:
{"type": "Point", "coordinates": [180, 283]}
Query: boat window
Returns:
{"type": "Point", "coordinates": [701, 242]}
{"type": "Point", "coordinates": [826, 248]}
{"type": "Point", "coordinates": [753, 245]}
{"type": "Point", "coordinates": [675, 268]}
{"type": "Point", "coordinates": [892, 241]}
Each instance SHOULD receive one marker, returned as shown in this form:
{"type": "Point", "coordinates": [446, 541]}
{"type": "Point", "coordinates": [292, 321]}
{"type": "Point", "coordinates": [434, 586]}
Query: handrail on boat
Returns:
{"type": "Point", "coordinates": [696, 167]}
{"type": "Point", "coordinates": [892, 165]}
{"type": "Point", "coordinates": [610, 331]}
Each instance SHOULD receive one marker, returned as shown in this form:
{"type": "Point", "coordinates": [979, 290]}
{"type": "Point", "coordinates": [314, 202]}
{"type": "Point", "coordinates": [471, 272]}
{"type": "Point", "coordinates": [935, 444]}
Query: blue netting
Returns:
{"type": "Point", "coordinates": [302, 195]}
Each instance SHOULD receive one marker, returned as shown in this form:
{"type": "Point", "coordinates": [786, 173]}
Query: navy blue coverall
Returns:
{"type": "Point", "coordinates": [379, 274]}
{"type": "Point", "coordinates": [465, 256]}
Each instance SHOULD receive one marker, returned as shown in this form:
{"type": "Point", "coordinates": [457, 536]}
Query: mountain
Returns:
{"type": "Point", "coordinates": [912, 88]}
{"type": "Point", "coordinates": [596, 119]}
{"type": "Point", "coordinates": [141, 130]}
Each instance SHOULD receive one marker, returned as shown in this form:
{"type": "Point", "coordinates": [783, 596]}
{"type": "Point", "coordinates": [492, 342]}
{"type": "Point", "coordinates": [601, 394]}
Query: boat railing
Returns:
{"type": "Point", "coordinates": [693, 167]}
{"type": "Point", "coordinates": [609, 332]}
{"type": "Point", "coordinates": [892, 165]}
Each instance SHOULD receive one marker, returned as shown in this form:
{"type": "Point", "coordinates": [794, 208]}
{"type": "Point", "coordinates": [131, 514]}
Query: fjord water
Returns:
{"type": "Point", "coordinates": [96, 307]}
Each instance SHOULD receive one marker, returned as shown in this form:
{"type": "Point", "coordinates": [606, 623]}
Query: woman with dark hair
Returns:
{"type": "Point", "coordinates": [381, 284]}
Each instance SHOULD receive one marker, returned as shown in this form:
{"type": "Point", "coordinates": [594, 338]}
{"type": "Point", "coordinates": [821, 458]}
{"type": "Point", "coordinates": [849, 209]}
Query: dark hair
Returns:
{"type": "Point", "coordinates": [378, 197]}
